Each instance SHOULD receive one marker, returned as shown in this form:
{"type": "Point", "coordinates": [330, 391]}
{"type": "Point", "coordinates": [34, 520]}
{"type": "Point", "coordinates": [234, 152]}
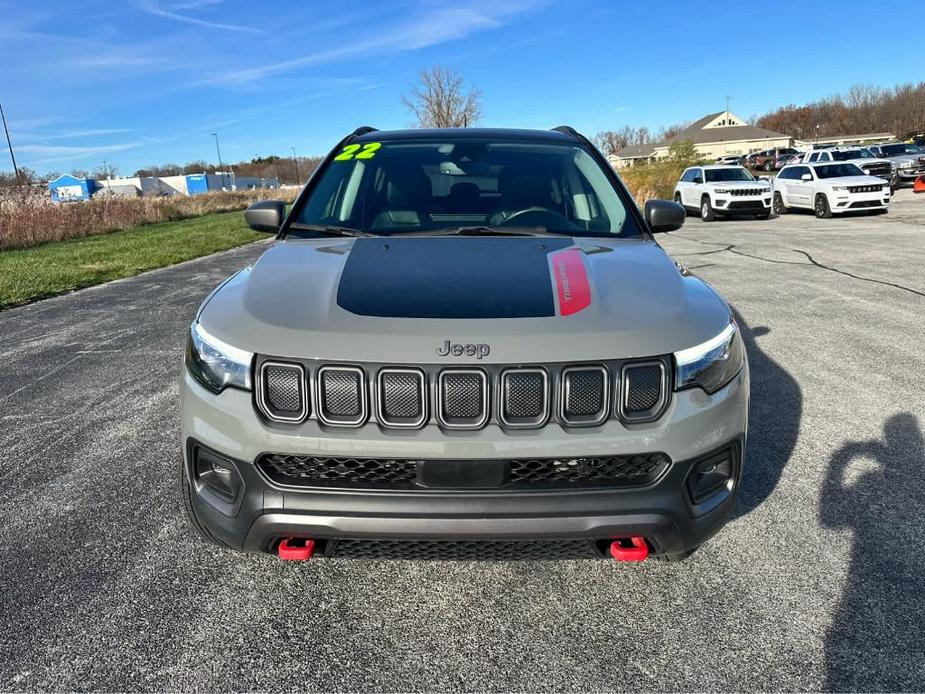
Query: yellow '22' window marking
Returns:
{"type": "Point", "coordinates": [367, 151]}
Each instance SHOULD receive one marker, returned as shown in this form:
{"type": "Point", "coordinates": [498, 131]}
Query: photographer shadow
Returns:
{"type": "Point", "coordinates": [876, 641]}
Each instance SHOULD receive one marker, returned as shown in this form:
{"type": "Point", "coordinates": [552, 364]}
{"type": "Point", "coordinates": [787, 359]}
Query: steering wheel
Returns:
{"type": "Point", "coordinates": [540, 217]}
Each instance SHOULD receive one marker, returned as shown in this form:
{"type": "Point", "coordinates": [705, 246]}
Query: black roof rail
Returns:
{"type": "Point", "coordinates": [568, 130]}
{"type": "Point", "coordinates": [362, 130]}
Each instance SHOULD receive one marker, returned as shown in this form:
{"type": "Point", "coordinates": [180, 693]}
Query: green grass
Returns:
{"type": "Point", "coordinates": [36, 273]}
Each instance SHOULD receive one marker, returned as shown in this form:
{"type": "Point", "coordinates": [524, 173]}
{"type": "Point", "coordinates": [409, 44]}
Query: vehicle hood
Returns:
{"type": "Point", "coordinates": [398, 300]}
{"type": "Point", "coordinates": [854, 181]}
{"type": "Point", "coordinates": [739, 184]}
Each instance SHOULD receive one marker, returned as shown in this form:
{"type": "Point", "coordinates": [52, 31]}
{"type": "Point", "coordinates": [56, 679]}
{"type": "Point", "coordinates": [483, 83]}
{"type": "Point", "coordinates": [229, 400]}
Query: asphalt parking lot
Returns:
{"type": "Point", "coordinates": [818, 583]}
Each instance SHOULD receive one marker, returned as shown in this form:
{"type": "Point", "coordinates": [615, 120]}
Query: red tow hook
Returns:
{"type": "Point", "coordinates": [296, 549]}
{"type": "Point", "coordinates": [629, 549]}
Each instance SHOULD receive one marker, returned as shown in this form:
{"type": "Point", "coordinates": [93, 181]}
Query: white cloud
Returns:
{"type": "Point", "coordinates": [153, 7]}
{"type": "Point", "coordinates": [44, 154]}
{"type": "Point", "coordinates": [431, 27]}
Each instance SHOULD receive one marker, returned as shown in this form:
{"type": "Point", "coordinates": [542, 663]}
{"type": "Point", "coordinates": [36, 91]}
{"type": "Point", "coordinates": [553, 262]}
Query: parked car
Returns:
{"type": "Point", "coordinates": [829, 188]}
{"type": "Point", "coordinates": [908, 161]}
{"type": "Point", "coordinates": [716, 190]}
{"type": "Point", "coordinates": [401, 373]}
{"type": "Point", "coordinates": [785, 159]}
{"type": "Point", "coordinates": [861, 156]}
{"type": "Point", "coordinates": [767, 159]}
{"type": "Point", "coordinates": [915, 138]}
{"type": "Point", "coordinates": [729, 159]}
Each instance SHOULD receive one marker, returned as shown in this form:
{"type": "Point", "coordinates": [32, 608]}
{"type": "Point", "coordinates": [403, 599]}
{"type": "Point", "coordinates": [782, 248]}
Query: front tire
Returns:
{"type": "Point", "coordinates": [778, 205]}
{"type": "Point", "coordinates": [677, 199]}
{"type": "Point", "coordinates": [707, 212]}
{"type": "Point", "coordinates": [821, 207]}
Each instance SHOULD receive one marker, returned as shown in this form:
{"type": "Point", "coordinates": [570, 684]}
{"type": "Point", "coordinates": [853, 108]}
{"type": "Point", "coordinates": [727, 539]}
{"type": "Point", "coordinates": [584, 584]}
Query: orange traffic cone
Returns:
{"type": "Point", "coordinates": [919, 186]}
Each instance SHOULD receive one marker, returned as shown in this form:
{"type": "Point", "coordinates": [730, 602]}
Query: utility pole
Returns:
{"type": "Point", "coordinates": [10, 145]}
{"type": "Point", "coordinates": [221, 167]}
{"type": "Point", "coordinates": [296, 162]}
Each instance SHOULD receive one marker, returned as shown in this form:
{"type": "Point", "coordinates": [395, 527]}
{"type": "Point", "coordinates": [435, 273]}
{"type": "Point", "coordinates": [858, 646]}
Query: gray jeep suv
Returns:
{"type": "Point", "coordinates": [463, 344]}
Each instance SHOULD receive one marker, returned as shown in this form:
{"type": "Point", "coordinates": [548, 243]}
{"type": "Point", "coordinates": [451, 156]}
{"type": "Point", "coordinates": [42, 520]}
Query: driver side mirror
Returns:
{"type": "Point", "coordinates": [806, 177]}
{"type": "Point", "coordinates": [664, 215]}
{"type": "Point", "coordinates": [265, 215]}
{"type": "Point", "coordinates": [698, 179]}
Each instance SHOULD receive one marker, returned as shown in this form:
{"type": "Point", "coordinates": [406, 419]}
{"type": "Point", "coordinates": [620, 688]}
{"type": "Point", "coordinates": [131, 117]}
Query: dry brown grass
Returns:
{"type": "Point", "coordinates": [646, 182]}
{"type": "Point", "coordinates": [31, 220]}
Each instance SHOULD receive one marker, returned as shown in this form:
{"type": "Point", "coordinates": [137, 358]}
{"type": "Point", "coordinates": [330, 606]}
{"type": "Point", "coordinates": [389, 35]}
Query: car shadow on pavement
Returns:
{"type": "Point", "coordinates": [875, 488]}
{"type": "Point", "coordinates": [773, 421]}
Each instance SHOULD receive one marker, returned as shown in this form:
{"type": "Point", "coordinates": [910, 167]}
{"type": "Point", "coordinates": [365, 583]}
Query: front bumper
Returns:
{"type": "Point", "coordinates": [262, 512]}
{"type": "Point", "coordinates": [858, 202]}
{"type": "Point", "coordinates": [742, 204]}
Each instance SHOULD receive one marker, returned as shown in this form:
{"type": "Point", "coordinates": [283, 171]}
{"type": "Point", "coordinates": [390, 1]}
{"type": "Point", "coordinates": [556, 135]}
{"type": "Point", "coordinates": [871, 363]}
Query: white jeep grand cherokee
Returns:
{"type": "Point", "coordinates": [723, 190]}
{"type": "Point", "coordinates": [829, 188]}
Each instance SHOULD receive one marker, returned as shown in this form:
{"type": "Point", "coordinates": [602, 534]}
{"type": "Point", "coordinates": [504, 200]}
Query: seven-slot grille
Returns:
{"type": "Point", "coordinates": [747, 191]}
{"type": "Point", "coordinates": [865, 189]}
{"type": "Point", "coordinates": [463, 397]}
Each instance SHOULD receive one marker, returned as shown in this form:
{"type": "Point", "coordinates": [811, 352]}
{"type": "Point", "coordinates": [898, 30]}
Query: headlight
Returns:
{"type": "Point", "coordinates": [840, 188]}
{"type": "Point", "coordinates": [721, 191]}
{"type": "Point", "coordinates": [712, 364]}
{"type": "Point", "coordinates": [907, 165]}
{"type": "Point", "coordinates": [216, 364]}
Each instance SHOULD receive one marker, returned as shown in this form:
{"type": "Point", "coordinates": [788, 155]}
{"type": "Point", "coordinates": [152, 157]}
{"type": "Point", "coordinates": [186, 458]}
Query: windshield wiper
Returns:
{"type": "Point", "coordinates": [480, 230]}
{"type": "Point", "coordinates": [330, 230]}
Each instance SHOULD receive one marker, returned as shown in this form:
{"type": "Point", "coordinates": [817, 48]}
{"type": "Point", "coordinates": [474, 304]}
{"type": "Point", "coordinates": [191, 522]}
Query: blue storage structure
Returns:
{"type": "Point", "coordinates": [69, 188]}
{"type": "Point", "coordinates": [197, 183]}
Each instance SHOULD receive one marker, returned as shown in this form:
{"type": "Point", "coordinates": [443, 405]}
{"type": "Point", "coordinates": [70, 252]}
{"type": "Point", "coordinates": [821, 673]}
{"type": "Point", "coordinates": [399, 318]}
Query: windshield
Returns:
{"type": "Point", "coordinates": [419, 185]}
{"type": "Point", "coordinates": [894, 150]}
{"type": "Point", "coordinates": [849, 154]}
{"type": "Point", "coordinates": [736, 174]}
{"type": "Point", "coordinates": [838, 170]}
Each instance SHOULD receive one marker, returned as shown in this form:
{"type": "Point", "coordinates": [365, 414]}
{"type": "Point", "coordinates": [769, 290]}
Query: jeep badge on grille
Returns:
{"type": "Point", "coordinates": [458, 349]}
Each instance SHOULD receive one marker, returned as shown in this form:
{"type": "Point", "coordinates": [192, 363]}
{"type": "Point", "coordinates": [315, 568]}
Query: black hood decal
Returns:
{"type": "Point", "coordinates": [450, 277]}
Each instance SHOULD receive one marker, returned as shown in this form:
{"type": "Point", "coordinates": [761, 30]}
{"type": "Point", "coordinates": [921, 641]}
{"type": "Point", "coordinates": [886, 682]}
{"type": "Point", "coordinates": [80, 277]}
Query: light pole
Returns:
{"type": "Point", "coordinates": [108, 177]}
{"type": "Point", "coordinates": [296, 162]}
{"type": "Point", "coordinates": [221, 167]}
{"type": "Point", "coordinates": [10, 145]}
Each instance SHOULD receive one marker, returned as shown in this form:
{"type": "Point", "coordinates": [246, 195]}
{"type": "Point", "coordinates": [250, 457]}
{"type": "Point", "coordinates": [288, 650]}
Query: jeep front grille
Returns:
{"type": "Point", "coordinates": [614, 471]}
{"type": "Point", "coordinates": [747, 191]}
{"type": "Point", "coordinates": [530, 396]}
{"type": "Point", "coordinates": [865, 189]}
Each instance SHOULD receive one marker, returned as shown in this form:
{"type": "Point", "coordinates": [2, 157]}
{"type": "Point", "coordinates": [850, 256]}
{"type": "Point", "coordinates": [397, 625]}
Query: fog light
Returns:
{"type": "Point", "coordinates": [217, 473]}
{"type": "Point", "coordinates": [710, 476]}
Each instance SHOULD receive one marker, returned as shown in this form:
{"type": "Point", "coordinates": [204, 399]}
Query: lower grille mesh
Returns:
{"type": "Point", "coordinates": [627, 470]}
{"type": "Point", "coordinates": [317, 471]}
{"type": "Point", "coordinates": [465, 550]}
{"type": "Point", "coordinates": [535, 473]}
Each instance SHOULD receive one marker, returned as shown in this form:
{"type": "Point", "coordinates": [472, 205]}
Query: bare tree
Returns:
{"type": "Point", "coordinates": [441, 100]}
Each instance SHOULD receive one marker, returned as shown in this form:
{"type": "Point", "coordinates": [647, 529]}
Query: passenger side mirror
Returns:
{"type": "Point", "coordinates": [806, 177]}
{"type": "Point", "coordinates": [664, 215]}
{"type": "Point", "coordinates": [265, 215]}
{"type": "Point", "coordinates": [698, 179]}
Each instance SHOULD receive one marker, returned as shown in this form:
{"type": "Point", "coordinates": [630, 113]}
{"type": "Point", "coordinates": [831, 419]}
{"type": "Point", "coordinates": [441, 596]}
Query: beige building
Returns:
{"type": "Point", "coordinates": [716, 135]}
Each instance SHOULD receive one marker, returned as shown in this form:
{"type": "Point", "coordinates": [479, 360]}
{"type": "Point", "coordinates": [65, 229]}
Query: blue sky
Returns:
{"type": "Point", "coordinates": [142, 82]}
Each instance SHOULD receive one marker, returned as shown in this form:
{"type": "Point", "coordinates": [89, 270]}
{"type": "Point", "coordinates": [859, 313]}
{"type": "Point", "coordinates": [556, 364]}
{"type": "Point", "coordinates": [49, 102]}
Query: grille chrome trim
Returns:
{"type": "Point", "coordinates": [304, 389]}
{"type": "Point", "coordinates": [584, 421]}
{"type": "Point", "coordinates": [486, 401]}
{"type": "Point", "coordinates": [655, 411]}
{"type": "Point", "coordinates": [381, 415]}
{"type": "Point", "coordinates": [335, 420]}
{"type": "Point", "coordinates": [521, 422]}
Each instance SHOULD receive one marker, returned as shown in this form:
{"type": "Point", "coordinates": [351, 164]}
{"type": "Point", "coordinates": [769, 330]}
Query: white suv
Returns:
{"type": "Point", "coordinates": [720, 190]}
{"type": "Point", "coordinates": [862, 157]}
{"type": "Point", "coordinates": [829, 188]}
